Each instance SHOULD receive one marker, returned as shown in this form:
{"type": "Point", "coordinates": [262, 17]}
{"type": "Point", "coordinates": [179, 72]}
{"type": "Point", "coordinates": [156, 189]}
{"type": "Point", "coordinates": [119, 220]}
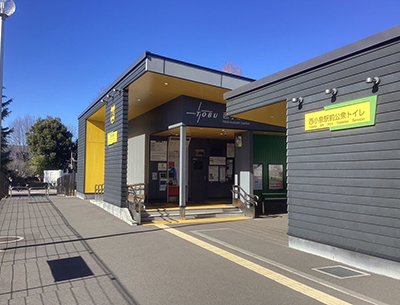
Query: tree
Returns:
{"type": "Point", "coordinates": [20, 127]}
{"type": "Point", "coordinates": [232, 68]}
{"type": "Point", "coordinates": [49, 143]}
{"type": "Point", "coordinates": [101, 91]}
{"type": "Point", "coordinates": [5, 134]}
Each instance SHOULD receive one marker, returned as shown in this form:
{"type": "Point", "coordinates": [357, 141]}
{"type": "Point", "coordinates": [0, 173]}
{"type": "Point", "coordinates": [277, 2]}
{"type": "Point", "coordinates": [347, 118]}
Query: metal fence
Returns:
{"type": "Point", "coordinates": [136, 198]}
{"type": "Point", "coordinates": [66, 185]}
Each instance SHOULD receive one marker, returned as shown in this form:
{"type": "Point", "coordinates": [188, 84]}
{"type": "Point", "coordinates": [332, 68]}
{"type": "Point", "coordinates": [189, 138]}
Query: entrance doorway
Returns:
{"type": "Point", "coordinates": [198, 179]}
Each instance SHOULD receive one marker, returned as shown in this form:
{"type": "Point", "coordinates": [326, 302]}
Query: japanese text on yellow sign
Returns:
{"type": "Point", "coordinates": [112, 137]}
{"type": "Point", "coordinates": [342, 116]}
{"type": "Point", "coordinates": [112, 114]}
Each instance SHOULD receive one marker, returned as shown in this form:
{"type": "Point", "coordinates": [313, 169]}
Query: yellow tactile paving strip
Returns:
{"type": "Point", "coordinates": [277, 277]}
{"type": "Point", "coordinates": [200, 220]}
{"type": "Point", "coordinates": [198, 207]}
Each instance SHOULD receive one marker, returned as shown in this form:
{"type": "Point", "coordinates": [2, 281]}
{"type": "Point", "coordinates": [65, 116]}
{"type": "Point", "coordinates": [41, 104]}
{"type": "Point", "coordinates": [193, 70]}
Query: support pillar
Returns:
{"type": "Point", "coordinates": [182, 171]}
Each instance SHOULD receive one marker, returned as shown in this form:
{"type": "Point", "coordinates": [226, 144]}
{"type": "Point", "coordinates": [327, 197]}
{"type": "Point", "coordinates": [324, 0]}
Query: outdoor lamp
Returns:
{"type": "Point", "coordinates": [373, 80]}
{"type": "Point", "coordinates": [297, 100]}
{"type": "Point", "coordinates": [7, 8]}
{"type": "Point", "coordinates": [332, 91]}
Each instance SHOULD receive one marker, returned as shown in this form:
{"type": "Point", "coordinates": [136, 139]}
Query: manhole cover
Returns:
{"type": "Point", "coordinates": [7, 239]}
{"type": "Point", "coordinates": [340, 272]}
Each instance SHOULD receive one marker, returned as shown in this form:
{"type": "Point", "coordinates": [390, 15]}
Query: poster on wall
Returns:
{"type": "Point", "coordinates": [173, 159]}
{"type": "Point", "coordinates": [158, 150]}
{"type": "Point", "coordinates": [222, 173]}
{"type": "Point", "coordinates": [162, 167]}
{"type": "Point", "coordinates": [229, 170]}
{"type": "Point", "coordinates": [213, 173]}
{"type": "Point", "coordinates": [258, 177]}
{"type": "Point", "coordinates": [275, 176]}
{"type": "Point", "coordinates": [217, 161]}
{"type": "Point", "coordinates": [174, 154]}
{"type": "Point", "coordinates": [239, 141]}
{"type": "Point", "coordinates": [230, 150]}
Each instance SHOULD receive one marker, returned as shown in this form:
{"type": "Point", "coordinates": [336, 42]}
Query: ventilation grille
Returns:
{"type": "Point", "coordinates": [340, 272]}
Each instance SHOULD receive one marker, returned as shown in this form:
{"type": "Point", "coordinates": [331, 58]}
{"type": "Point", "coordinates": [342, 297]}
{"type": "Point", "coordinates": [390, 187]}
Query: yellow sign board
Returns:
{"type": "Point", "coordinates": [112, 114]}
{"type": "Point", "coordinates": [112, 137]}
{"type": "Point", "coordinates": [356, 113]}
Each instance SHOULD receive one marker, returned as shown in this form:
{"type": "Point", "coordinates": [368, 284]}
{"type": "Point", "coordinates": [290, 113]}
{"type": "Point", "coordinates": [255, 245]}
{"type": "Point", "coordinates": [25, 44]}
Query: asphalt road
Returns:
{"type": "Point", "coordinates": [238, 262]}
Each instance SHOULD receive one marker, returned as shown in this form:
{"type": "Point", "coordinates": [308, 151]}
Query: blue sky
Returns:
{"type": "Point", "coordinates": [58, 54]}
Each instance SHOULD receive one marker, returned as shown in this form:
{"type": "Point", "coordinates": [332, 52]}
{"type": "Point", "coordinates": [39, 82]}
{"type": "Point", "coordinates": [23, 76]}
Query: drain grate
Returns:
{"type": "Point", "coordinates": [7, 239]}
{"type": "Point", "coordinates": [340, 272]}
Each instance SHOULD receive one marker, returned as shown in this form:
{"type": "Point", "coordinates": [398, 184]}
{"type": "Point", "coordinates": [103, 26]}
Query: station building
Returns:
{"type": "Point", "coordinates": [136, 131]}
{"type": "Point", "coordinates": [326, 132]}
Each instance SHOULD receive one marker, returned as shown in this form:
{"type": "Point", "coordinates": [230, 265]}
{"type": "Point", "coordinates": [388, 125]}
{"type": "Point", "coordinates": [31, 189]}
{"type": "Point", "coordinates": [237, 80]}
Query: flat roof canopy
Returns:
{"type": "Point", "coordinates": [273, 114]}
{"type": "Point", "coordinates": [154, 80]}
{"type": "Point", "coordinates": [162, 79]}
{"type": "Point", "coordinates": [152, 90]}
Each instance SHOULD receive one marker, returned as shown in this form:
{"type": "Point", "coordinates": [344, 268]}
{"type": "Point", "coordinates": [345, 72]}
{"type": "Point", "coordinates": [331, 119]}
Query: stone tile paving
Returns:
{"type": "Point", "coordinates": [25, 273]}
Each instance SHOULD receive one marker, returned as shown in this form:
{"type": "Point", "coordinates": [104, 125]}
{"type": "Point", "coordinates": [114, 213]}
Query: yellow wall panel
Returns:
{"type": "Point", "coordinates": [95, 148]}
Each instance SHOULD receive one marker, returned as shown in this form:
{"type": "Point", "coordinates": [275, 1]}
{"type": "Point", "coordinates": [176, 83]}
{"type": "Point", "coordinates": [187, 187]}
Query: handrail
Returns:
{"type": "Point", "coordinates": [136, 198]}
{"type": "Point", "coordinates": [244, 201]}
{"type": "Point", "coordinates": [248, 199]}
{"type": "Point", "coordinates": [98, 192]}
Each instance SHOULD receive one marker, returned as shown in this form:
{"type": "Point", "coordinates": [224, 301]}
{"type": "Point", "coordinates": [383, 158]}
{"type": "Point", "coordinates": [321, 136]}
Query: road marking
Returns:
{"type": "Point", "coordinates": [309, 277]}
{"type": "Point", "coordinates": [279, 278]}
{"type": "Point", "coordinates": [199, 220]}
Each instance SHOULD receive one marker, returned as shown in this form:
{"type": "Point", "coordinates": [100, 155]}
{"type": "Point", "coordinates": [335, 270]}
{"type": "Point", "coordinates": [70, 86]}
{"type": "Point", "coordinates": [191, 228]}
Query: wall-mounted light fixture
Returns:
{"type": "Point", "coordinates": [113, 91]}
{"type": "Point", "coordinates": [332, 91]}
{"type": "Point", "coordinates": [373, 80]}
{"type": "Point", "coordinates": [111, 94]}
{"type": "Point", "coordinates": [299, 101]}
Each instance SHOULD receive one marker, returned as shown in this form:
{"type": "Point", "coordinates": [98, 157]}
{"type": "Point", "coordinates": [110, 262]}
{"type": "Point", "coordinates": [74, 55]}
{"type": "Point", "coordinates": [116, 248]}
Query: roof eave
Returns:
{"type": "Point", "coordinates": [323, 59]}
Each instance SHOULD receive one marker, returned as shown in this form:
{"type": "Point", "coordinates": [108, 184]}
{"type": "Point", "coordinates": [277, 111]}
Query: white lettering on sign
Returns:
{"type": "Point", "coordinates": [210, 114]}
{"type": "Point", "coordinates": [201, 113]}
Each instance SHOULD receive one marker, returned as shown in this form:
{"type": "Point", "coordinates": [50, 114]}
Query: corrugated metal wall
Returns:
{"type": "Point", "coordinates": [116, 154]}
{"type": "Point", "coordinates": [115, 169]}
{"type": "Point", "coordinates": [343, 186]}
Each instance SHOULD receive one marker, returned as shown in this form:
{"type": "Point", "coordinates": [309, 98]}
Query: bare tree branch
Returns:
{"type": "Point", "coordinates": [233, 68]}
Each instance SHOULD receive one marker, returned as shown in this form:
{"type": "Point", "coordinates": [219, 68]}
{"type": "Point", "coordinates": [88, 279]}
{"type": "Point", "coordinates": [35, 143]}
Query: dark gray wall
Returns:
{"type": "Point", "coordinates": [244, 154]}
{"type": "Point", "coordinates": [343, 186]}
{"type": "Point", "coordinates": [115, 155]}
{"type": "Point", "coordinates": [186, 109]}
{"type": "Point", "coordinates": [157, 119]}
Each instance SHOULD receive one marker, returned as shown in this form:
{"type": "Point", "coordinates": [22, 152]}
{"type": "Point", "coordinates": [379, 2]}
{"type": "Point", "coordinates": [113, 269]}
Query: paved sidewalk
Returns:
{"type": "Point", "coordinates": [48, 240]}
{"type": "Point", "coordinates": [73, 252]}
